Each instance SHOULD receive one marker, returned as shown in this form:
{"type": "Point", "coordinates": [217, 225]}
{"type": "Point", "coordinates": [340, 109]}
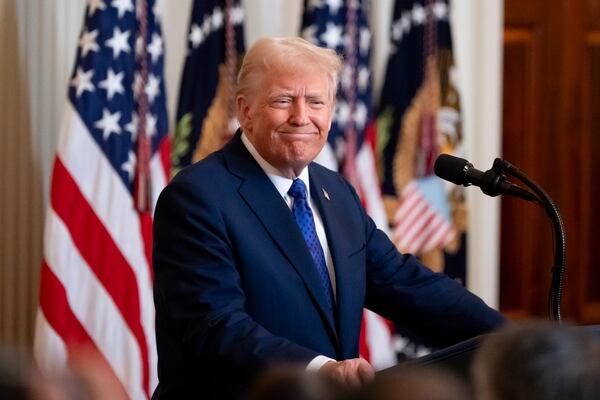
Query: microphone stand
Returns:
{"type": "Point", "coordinates": [560, 241]}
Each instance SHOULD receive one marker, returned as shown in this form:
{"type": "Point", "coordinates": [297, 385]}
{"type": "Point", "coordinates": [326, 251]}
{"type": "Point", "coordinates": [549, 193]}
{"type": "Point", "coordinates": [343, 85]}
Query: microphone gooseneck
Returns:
{"type": "Point", "coordinates": [493, 183]}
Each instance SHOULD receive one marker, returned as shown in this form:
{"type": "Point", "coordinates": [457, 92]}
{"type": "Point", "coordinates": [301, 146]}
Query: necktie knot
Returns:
{"type": "Point", "coordinates": [298, 190]}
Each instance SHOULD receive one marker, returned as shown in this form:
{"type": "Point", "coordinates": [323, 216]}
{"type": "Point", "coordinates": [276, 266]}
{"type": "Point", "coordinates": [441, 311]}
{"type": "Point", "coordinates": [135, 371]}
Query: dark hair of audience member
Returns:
{"type": "Point", "coordinates": [416, 383]}
{"type": "Point", "coordinates": [538, 361]}
{"type": "Point", "coordinates": [294, 383]}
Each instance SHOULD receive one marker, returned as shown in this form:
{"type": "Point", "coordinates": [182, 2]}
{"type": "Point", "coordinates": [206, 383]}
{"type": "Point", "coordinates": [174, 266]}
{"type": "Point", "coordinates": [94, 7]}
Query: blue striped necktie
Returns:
{"type": "Point", "coordinates": [306, 223]}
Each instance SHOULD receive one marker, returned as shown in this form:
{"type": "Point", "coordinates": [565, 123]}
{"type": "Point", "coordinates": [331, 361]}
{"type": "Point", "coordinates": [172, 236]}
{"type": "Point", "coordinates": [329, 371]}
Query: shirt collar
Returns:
{"type": "Point", "coordinates": [281, 183]}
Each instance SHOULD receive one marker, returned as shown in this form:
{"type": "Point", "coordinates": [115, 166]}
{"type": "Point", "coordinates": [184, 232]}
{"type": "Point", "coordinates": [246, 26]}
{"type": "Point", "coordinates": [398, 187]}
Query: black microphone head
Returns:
{"type": "Point", "coordinates": [452, 169]}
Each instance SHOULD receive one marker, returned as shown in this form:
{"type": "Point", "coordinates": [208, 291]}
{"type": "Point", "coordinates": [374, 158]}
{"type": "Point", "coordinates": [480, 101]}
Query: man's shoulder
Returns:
{"type": "Point", "coordinates": [206, 179]}
{"type": "Point", "coordinates": [326, 176]}
{"type": "Point", "coordinates": [211, 166]}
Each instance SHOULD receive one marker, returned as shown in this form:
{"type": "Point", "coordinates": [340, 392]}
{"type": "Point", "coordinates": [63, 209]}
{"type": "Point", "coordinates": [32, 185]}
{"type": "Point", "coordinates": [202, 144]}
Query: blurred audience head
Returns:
{"type": "Point", "coordinates": [538, 361]}
{"type": "Point", "coordinates": [86, 377]}
{"type": "Point", "coordinates": [15, 374]}
{"type": "Point", "coordinates": [416, 383]}
{"type": "Point", "coordinates": [295, 383]}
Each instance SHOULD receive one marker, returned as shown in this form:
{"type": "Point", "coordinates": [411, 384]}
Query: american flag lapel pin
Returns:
{"type": "Point", "coordinates": [325, 194]}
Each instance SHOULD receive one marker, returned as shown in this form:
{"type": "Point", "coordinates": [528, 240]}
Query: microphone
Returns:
{"type": "Point", "coordinates": [491, 182]}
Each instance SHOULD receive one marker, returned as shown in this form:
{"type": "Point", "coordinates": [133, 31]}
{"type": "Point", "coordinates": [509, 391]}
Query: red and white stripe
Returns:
{"type": "Point", "coordinates": [417, 227]}
{"type": "Point", "coordinates": [96, 277]}
{"type": "Point", "coordinates": [370, 190]}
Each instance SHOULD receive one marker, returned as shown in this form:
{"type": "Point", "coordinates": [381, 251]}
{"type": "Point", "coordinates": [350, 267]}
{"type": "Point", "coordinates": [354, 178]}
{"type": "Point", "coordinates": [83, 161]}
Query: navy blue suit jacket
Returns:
{"type": "Point", "coordinates": [236, 289]}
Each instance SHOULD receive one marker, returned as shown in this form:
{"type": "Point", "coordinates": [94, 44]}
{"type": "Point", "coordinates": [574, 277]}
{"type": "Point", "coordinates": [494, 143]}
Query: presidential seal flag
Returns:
{"type": "Point", "coordinates": [111, 163]}
{"type": "Point", "coordinates": [419, 118]}
{"type": "Point", "coordinates": [343, 26]}
{"type": "Point", "coordinates": [206, 111]}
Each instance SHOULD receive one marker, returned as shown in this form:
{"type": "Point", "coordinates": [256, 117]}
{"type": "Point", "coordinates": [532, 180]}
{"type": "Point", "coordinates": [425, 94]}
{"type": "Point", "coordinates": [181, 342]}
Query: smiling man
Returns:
{"type": "Point", "coordinates": [263, 257]}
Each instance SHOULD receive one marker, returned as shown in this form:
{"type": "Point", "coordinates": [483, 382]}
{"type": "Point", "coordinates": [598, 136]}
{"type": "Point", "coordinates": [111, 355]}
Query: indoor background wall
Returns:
{"type": "Point", "coordinates": [38, 40]}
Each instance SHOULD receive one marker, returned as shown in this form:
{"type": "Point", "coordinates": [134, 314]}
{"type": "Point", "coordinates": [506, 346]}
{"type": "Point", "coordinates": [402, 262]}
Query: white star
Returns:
{"type": "Point", "coordinates": [83, 81]}
{"type": "Point", "coordinates": [339, 147]}
{"type": "Point", "coordinates": [363, 78]}
{"type": "Point", "coordinates": [122, 6]}
{"type": "Point", "coordinates": [152, 87]}
{"type": "Point", "coordinates": [129, 165]}
{"type": "Point", "coordinates": [113, 83]}
{"type": "Point", "coordinates": [334, 6]}
{"type": "Point", "coordinates": [118, 42]}
{"type": "Point", "coordinates": [440, 10]}
{"type": "Point", "coordinates": [332, 37]}
{"type": "Point", "coordinates": [131, 127]}
{"type": "Point", "coordinates": [151, 121]}
{"type": "Point", "coordinates": [237, 15]}
{"type": "Point", "coordinates": [418, 14]}
{"type": "Point", "coordinates": [217, 18]}
{"type": "Point", "coordinates": [95, 5]}
{"type": "Point", "coordinates": [364, 42]}
{"type": "Point", "coordinates": [109, 123]}
{"type": "Point", "coordinates": [87, 42]}
{"type": "Point", "coordinates": [155, 47]}
{"type": "Point", "coordinates": [196, 36]}
{"type": "Point", "coordinates": [346, 76]}
{"type": "Point", "coordinates": [342, 112]}
{"type": "Point", "coordinates": [360, 115]}
{"type": "Point", "coordinates": [309, 33]}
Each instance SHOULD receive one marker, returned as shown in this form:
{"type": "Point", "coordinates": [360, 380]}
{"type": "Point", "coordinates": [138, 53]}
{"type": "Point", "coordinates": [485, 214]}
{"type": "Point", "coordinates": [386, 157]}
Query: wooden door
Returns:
{"type": "Point", "coordinates": [551, 130]}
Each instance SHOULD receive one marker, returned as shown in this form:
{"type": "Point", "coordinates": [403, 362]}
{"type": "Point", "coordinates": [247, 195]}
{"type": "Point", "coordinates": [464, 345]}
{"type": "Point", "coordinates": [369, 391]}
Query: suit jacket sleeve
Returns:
{"type": "Point", "coordinates": [198, 294]}
{"type": "Point", "coordinates": [429, 304]}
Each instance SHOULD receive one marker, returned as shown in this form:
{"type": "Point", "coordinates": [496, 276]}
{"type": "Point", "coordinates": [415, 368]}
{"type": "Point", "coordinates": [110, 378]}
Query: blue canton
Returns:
{"type": "Point", "coordinates": [106, 82]}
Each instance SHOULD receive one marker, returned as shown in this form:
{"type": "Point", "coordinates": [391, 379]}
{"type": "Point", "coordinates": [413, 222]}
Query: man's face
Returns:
{"type": "Point", "coordinates": [288, 117]}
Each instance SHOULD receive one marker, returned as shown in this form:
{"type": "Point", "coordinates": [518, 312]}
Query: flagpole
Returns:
{"type": "Point", "coordinates": [142, 185]}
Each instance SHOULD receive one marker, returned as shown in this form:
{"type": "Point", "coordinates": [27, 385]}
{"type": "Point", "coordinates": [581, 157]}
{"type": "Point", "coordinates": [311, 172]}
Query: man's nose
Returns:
{"type": "Point", "coordinates": [299, 113]}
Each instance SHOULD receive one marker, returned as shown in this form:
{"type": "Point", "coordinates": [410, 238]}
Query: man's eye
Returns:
{"type": "Point", "coordinates": [281, 103]}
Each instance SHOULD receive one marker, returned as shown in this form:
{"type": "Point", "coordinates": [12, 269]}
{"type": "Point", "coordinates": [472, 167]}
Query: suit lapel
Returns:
{"type": "Point", "coordinates": [265, 201]}
{"type": "Point", "coordinates": [349, 304]}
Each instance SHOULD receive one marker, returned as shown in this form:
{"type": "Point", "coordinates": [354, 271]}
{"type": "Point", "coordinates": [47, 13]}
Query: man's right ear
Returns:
{"type": "Point", "coordinates": [243, 110]}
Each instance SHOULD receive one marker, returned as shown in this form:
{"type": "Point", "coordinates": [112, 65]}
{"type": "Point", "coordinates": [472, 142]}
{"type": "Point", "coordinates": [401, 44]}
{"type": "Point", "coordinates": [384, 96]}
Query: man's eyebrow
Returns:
{"type": "Point", "coordinates": [281, 93]}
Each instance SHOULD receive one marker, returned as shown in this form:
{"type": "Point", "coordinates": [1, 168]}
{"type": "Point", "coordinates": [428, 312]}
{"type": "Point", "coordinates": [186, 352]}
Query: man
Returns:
{"type": "Point", "coordinates": [263, 257]}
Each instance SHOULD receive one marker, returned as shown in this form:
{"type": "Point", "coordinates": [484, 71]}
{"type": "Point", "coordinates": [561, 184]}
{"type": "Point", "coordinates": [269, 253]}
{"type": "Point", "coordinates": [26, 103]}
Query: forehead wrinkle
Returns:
{"type": "Point", "coordinates": [298, 92]}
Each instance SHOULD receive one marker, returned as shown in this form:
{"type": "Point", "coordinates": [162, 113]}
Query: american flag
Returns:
{"type": "Point", "coordinates": [206, 114]}
{"type": "Point", "coordinates": [112, 161]}
{"type": "Point", "coordinates": [343, 26]}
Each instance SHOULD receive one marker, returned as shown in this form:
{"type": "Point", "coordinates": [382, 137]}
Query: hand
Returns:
{"type": "Point", "coordinates": [354, 372]}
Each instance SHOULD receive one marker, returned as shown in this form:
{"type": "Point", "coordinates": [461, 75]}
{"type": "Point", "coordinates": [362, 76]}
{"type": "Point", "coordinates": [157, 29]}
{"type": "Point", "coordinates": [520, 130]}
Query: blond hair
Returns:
{"type": "Point", "coordinates": [291, 53]}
